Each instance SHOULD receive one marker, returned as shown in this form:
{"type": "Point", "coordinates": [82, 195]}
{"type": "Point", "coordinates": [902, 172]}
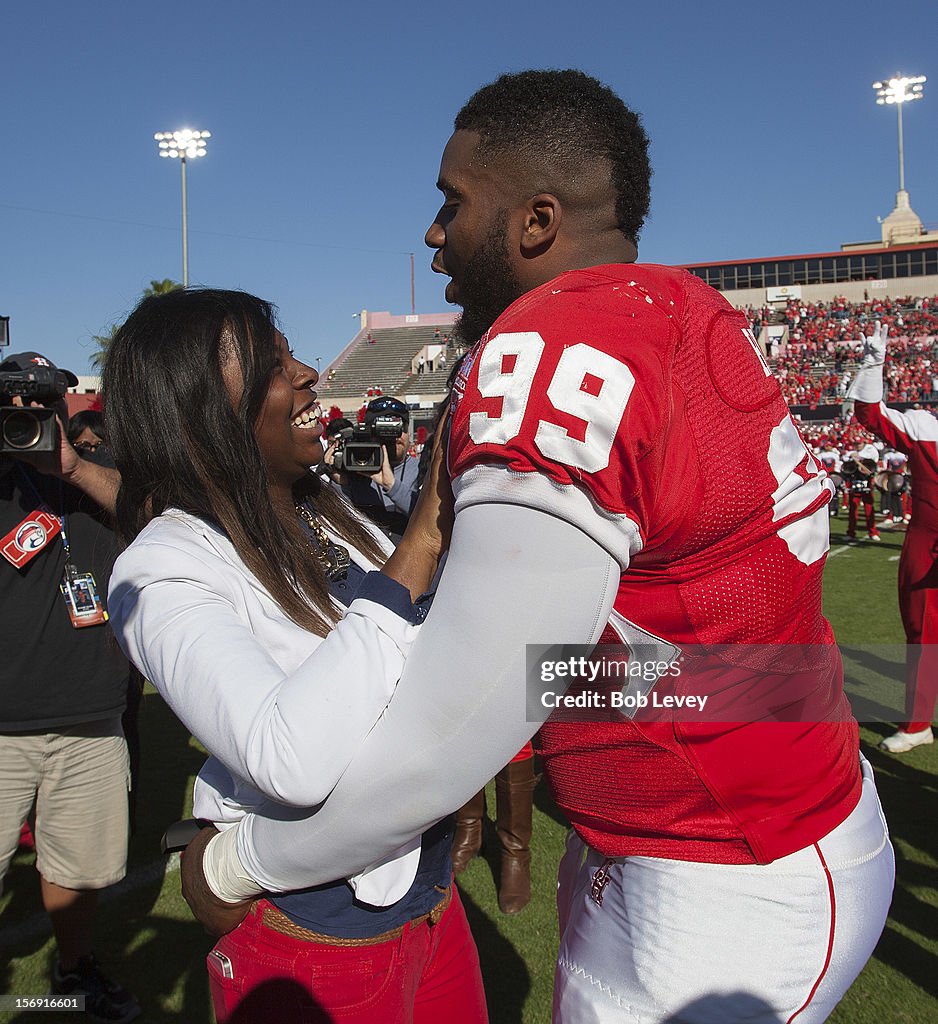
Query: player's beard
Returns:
{"type": "Point", "coordinates": [488, 285]}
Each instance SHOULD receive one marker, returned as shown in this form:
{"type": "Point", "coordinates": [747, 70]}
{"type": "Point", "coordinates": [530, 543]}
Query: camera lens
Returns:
{"type": "Point", "coordinates": [21, 430]}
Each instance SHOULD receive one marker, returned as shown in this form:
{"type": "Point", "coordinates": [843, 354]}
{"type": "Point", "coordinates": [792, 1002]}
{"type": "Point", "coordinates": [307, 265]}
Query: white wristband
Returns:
{"type": "Point", "coordinates": [223, 870]}
{"type": "Point", "coordinates": [867, 386]}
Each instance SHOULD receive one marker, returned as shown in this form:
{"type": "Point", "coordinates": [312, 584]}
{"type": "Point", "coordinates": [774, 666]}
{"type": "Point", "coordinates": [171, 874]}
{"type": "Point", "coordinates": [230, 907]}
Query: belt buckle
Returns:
{"type": "Point", "coordinates": [436, 914]}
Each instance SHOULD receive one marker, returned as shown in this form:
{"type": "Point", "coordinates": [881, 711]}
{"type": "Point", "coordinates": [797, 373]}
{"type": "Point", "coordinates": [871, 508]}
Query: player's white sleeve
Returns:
{"type": "Point", "coordinates": [490, 482]}
{"type": "Point", "coordinates": [514, 576]}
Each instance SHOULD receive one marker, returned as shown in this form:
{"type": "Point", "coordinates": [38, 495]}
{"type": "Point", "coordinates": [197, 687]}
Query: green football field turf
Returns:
{"type": "Point", "coordinates": [149, 941]}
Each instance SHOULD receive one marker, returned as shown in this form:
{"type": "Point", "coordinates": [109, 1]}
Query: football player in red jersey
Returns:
{"type": "Point", "coordinates": [624, 465]}
{"type": "Point", "coordinates": [914, 433]}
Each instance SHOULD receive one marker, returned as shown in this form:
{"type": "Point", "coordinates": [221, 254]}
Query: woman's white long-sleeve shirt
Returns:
{"type": "Point", "coordinates": [281, 710]}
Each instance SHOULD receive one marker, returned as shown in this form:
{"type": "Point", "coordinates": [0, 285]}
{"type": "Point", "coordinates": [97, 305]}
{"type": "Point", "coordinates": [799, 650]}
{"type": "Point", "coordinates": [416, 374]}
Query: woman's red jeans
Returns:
{"type": "Point", "coordinates": [427, 974]}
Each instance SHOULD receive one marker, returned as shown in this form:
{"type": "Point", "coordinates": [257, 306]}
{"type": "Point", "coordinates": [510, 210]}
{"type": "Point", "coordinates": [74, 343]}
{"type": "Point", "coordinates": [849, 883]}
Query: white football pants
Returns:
{"type": "Point", "coordinates": [677, 942]}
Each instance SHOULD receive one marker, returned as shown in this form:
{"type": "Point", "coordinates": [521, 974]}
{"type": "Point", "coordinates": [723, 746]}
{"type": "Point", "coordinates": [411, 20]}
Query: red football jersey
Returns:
{"type": "Point", "coordinates": [633, 401]}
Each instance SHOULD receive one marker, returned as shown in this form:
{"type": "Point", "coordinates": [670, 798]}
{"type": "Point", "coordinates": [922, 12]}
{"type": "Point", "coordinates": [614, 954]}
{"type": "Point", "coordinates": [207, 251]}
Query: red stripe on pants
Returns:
{"type": "Point", "coordinates": [832, 931]}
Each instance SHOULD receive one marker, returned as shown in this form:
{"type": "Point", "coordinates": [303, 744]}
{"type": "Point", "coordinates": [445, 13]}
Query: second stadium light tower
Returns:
{"type": "Point", "coordinates": [183, 145]}
{"type": "Point", "coordinates": [900, 90]}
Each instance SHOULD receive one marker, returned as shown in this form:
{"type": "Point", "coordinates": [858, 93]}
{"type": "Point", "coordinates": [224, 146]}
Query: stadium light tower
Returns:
{"type": "Point", "coordinates": [183, 145]}
{"type": "Point", "coordinates": [898, 91]}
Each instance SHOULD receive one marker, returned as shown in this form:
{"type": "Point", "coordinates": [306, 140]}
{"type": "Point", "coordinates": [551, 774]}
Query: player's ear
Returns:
{"type": "Point", "coordinates": [542, 217]}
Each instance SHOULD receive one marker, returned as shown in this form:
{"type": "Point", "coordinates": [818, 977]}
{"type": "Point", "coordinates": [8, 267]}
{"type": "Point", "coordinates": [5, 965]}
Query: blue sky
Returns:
{"type": "Point", "coordinates": [328, 122]}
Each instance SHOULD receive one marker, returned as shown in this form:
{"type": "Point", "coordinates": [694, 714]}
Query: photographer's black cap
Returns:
{"type": "Point", "coordinates": [23, 361]}
{"type": "Point", "coordinates": [387, 406]}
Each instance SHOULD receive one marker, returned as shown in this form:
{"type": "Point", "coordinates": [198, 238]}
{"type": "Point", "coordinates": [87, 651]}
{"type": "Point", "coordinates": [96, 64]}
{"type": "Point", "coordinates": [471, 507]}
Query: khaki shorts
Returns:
{"type": "Point", "coordinates": [78, 777]}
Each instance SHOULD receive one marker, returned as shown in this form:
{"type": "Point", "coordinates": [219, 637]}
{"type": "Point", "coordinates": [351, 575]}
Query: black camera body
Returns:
{"type": "Point", "coordinates": [360, 449]}
{"type": "Point", "coordinates": [24, 428]}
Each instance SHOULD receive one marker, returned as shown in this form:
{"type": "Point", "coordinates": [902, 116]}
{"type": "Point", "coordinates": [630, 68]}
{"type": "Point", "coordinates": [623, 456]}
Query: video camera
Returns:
{"type": "Point", "coordinates": [360, 449]}
{"type": "Point", "coordinates": [24, 428]}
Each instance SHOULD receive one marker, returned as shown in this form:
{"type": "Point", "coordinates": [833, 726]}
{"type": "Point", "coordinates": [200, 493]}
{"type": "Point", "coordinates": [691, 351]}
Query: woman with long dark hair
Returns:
{"type": "Point", "coordinates": [276, 623]}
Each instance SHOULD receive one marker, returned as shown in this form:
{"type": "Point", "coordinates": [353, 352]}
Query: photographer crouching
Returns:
{"type": "Point", "coordinates": [64, 682]}
{"type": "Point", "coordinates": [371, 465]}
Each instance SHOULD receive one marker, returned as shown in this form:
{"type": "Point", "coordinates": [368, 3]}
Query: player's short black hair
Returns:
{"type": "Point", "coordinates": [567, 115]}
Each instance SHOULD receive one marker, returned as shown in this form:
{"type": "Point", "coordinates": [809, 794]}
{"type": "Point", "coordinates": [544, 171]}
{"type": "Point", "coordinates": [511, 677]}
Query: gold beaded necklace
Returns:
{"type": "Point", "coordinates": [334, 558]}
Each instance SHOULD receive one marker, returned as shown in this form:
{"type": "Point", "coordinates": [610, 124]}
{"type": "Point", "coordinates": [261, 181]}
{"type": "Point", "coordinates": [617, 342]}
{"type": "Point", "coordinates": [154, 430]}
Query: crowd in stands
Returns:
{"type": "Point", "coordinates": [817, 362]}
{"type": "Point", "coordinates": [819, 358]}
{"type": "Point", "coordinates": [840, 435]}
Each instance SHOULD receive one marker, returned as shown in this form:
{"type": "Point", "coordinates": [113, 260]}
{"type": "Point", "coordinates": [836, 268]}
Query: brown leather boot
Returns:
{"type": "Point", "coordinates": [514, 800]}
{"type": "Point", "coordinates": [467, 842]}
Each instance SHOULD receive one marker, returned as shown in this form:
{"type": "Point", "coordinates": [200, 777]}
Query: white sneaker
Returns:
{"type": "Point", "coordinates": [901, 742]}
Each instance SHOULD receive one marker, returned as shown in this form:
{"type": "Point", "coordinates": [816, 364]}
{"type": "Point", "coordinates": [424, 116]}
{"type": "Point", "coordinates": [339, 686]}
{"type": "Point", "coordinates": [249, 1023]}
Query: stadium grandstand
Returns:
{"type": "Point", "coordinates": [806, 312]}
{"type": "Point", "coordinates": [409, 357]}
